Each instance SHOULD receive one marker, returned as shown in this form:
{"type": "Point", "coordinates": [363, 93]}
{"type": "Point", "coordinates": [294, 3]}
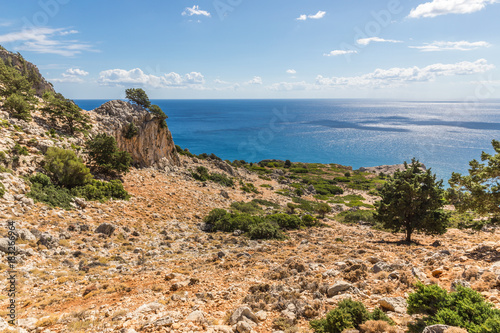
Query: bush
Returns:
{"type": "Point", "coordinates": [464, 308]}
{"type": "Point", "coordinates": [348, 314]}
{"type": "Point", "coordinates": [266, 203]}
{"type": "Point", "coordinates": [249, 188]}
{"type": "Point", "coordinates": [285, 221]}
{"type": "Point", "coordinates": [65, 168]}
{"type": "Point", "coordinates": [356, 216]}
{"type": "Point", "coordinates": [202, 174]}
{"type": "Point", "coordinates": [51, 195]}
{"type": "Point", "coordinates": [101, 191]}
{"type": "Point", "coordinates": [308, 220]}
{"type": "Point", "coordinates": [159, 114]}
{"type": "Point", "coordinates": [264, 229]}
{"type": "Point", "coordinates": [323, 209]}
{"type": "Point", "coordinates": [19, 107]}
{"type": "Point", "coordinates": [2, 190]}
{"type": "Point", "coordinates": [246, 207]}
{"type": "Point", "coordinates": [130, 131]}
{"type": "Point", "coordinates": [104, 154]}
{"type": "Point", "coordinates": [20, 150]}
{"type": "Point", "coordinates": [327, 189]}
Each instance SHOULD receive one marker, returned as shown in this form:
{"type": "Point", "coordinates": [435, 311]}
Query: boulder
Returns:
{"type": "Point", "coordinates": [395, 304]}
{"type": "Point", "coordinates": [435, 329]}
{"type": "Point", "coordinates": [106, 229]}
{"type": "Point", "coordinates": [338, 287]}
{"type": "Point", "coordinates": [241, 312]}
{"type": "Point", "coordinates": [196, 317]}
{"type": "Point", "coordinates": [243, 327]}
{"type": "Point", "coordinates": [4, 245]}
{"type": "Point", "coordinates": [149, 307]}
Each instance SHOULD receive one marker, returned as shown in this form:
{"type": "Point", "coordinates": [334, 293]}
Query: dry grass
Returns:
{"type": "Point", "coordinates": [377, 326]}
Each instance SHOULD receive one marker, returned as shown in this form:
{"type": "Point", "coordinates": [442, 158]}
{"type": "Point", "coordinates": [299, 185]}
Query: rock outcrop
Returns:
{"type": "Point", "coordinates": [151, 146]}
{"type": "Point", "coordinates": [386, 169]}
{"type": "Point", "coordinates": [28, 69]}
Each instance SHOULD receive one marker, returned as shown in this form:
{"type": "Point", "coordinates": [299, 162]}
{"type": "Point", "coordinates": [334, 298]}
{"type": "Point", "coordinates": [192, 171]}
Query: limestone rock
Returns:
{"type": "Point", "coordinates": [106, 229]}
{"type": "Point", "coordinates": [396, 304]}
{"type": "Point", "coordinates": [243, 327]}
{"type": "Point", "coordinates": [151, 146]}
{"type": "Point", "coordinates": [196, 317]}
{"type": "Point", "coordinates": [4, 245]}
{"type": "Point", "coordinates": [149, 307]}
{"type": "Point", "coordinates": [241, 312]}
{"type": "Point", "coordinates": [435, 329]}
{"type": "Point", "coordinates": [338, 287]}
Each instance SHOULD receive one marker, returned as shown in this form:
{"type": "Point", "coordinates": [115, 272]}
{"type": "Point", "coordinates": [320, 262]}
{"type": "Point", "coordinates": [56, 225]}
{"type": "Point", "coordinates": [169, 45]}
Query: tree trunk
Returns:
{"type": "Point", "coordinates": [408, 234]}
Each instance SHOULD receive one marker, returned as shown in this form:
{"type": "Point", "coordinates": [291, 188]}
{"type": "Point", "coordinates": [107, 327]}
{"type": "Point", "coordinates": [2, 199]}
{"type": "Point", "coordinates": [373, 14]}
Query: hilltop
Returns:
{"type": "Point", "coordinates": [155, 263]}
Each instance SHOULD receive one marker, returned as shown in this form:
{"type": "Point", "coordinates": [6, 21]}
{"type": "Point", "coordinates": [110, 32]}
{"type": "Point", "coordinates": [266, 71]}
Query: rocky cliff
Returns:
{"type": "Point", "coordinates": [151, 146]}
{"type": "Point", "coordinates": [40, 85]}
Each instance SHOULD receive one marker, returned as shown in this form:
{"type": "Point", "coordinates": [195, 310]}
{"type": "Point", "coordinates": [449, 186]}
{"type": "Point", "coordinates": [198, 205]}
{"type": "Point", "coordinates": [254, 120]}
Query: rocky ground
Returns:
{"type": "Point", "coordinates": [145, 265]}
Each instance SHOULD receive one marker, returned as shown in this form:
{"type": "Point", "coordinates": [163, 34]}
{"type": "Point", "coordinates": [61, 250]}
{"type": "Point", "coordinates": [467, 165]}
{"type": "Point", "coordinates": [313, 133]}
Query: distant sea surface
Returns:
{"type": "Point", "coordinates": [445, 136]}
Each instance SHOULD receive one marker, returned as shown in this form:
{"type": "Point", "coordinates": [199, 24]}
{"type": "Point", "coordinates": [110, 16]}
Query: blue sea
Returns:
{"type": "Point", "coordinates": [444, 136]}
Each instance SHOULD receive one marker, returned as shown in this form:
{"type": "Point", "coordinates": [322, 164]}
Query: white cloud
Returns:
{"type": "Point", "coordinates": [291, 71]}
{"type": "Point", "coordinates": [443, 7]}
{"type": "Point", "coordinates": [75, 72]}
{"type": "Point", "coordinates": [256, 80]}
{"type": "Point", "coordinates": [398, 76]}
{"type": "Point", "coordinates": [339, 52]}
{"type": "Point", "coordinates": [290, 86]}
{"type": "Point", "coordinates": [366, 41]}
{"type": "Point", "coordinates": [455, 46]}
{"type": "Point", "coordinates": [195, 11]}
{"type": "Point", "coordinates": [45, 40]}
{"type": "Point", "coordinates": [119, 77]}
{"type": "Point", "coordinates": [319, 15]}
{"type": "Point", "coordinates": [5, 23]}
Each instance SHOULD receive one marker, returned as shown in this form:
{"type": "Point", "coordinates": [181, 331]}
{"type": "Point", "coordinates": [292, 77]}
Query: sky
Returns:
{"type": "Point", "coordinates": [199, 49]}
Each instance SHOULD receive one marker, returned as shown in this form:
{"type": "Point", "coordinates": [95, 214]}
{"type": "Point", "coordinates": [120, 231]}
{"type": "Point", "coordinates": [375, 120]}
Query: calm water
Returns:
{"type": "Point", "coordinates": [443, 135]}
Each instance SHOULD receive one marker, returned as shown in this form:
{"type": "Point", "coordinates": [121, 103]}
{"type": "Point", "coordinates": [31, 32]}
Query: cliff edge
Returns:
{"type": "Point", "coordinates": [152, 145]}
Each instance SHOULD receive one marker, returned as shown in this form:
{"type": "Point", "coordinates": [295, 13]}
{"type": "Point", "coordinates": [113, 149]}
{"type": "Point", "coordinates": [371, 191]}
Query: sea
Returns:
{"type": "Point", "coordinates": [444, 136]}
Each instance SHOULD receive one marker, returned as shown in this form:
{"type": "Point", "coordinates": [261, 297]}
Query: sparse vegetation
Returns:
{"type": "Point", "coordinates": [202, 175]}
{"type": "Point", "coordinates": [105, 156]}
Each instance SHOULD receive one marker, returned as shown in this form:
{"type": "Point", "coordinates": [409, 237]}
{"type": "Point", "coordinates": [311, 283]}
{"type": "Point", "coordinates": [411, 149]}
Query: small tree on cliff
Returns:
{"type": "Point", "coordinates": [138, 96]}
{"type": "Point", "coordinates": [158, 113]}
{"type": "Point", "coordinates": [104, 154]}
{"type": "Point", "coordinates": [412, 200]}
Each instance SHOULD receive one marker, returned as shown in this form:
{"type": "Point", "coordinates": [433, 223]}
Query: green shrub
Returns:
{"type": "Point", "coordinates": [305, 205]}
{"type": "Point", "coordinates": [327, 189]}
{"type": "Point", "coordinates": [159, 114]}
{"type": "Point", "coordinates": [356, 216]}
{"type": "Point", "coordinates": [215, 215]}
{"type": "Point", "coordinates": [285, 221]}
{"type": "Point", "coordinates": [323, 209]}
{"type": "Point", "coordinates": [348, 314]}
{"type": "Point", "coordinates": [464, 308]}
{"type": "Point", "coordinates": [19, 107]}
{"type": "Point", "coordinates": [42, 190]}
{"type": "Point", "coordinates": [65, 112]}
{"type": "Point", "coordinates": [246, 207]}
{"type": "Point", "coordinates": [2, 190]}
{"type": "Point", "coordinates": [131, 130]}
{"type": "Point", "coordinates": [267, 203]}
{"type": "Point", "coordinates": [342, 179]}
{"type": "Point", "coordinates": [100, 191]}
{"type": "Point", "coordinates": [264, 229]}
{"type": "Point", "coordinates": [249, 188]}
{"type": "Point", "coordinates": [308, 220]}
{"type": "Point", "coordinates": [104, 154]}
{"type": "Point", "coordinates": [299, 170]}
{"type": "Point", "coordinates": [20, 150]}
{"type": "Point", "coordinates": [65, 168]}
{"type": "Point", "coordinates": [222, 179]}
{"type": "Point", "coordinates": [41, 179]}
{"type": "Point", "coordinates": [185, 152]}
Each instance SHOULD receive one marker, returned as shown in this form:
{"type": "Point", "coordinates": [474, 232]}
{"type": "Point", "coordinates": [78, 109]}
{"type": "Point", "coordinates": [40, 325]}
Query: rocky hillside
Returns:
{"type": "Point", "coordinates": [40, 85]}
{"type": "Point", "coordinates": [154, 263]}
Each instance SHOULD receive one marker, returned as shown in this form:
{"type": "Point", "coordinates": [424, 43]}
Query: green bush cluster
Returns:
{"type": "Point", "coordinates": [464, 308]}
{"type": "Point", "coordinates": [43, 190]}
{"type": "Point", "coordinates": [251, 207]}
{"type": "Point", "coordinates": [184, 152]}
{"type": "Point", "coordinates": [328, 189]}
{"type": "Point", "coordinates": [2, 190]}
{"type": "Point", "coordinates": [130, 131]}
{"type": "Point", "coordinates": [66, 113]}
{"type": "Point", "coordinates": [65, 168]}
{"type": "Point", "coordinates": [356, 216]}
{"type": "Point", "coordinates": [249, 188]}
{"type": "Point", "coordinates": [202, 175]}
{"type": "Point", "coordinates": [18, 106]}
{"type": "Point", "coordinates": [267, 203]}
{"type": "Point", "coordinates": [348, 314]}
{"type": "Point", "coordinates": [19, 150]}
{"type": "Point", "coordinates": [256, 227]}
{"type": "Point", "coordinates": [104, 154]}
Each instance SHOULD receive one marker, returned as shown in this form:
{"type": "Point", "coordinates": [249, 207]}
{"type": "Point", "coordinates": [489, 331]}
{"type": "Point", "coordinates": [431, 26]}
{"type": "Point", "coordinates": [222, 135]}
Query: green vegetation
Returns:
{"type": "Point", "coordinates": [19, 107]}
{"type": "Point", "coordinates": [138, 96]}
{"type": "Point", "coordinates": [159, 114]}
{"type": "Point", "coordinates": [105, 156]}
{"type": "Point", "coordinates": [66, 113]}
{"type": "Point", "coordinates": [19, 150]}
{"type": "Point", "coordinates": [65, 168]}
{"type": "Point", "coordinates": [14, 82]}
{"type": "Point", "coordinates": [256, 226]}
{"type": "Point", "coordinates": [480, 190]}
{"type": "Point", "coordinates": [130, 131]}
{"type": "Point", "coordinates": [348, 314]}
{"type": "Point", "coordinates": [2, 190]}
{"type": "Point", "coordinates": [249, 188]}
{"type": "Point", "coordinates": [413, 200]}
{"type": "Point", "coordinates": [323, 209]}
{"type": "Point", "coordinates": [356, 216]}
{"type": "Point", "coordinates": [464, 308]}
{"type": "Point", "coordinates": [184, 152]}
{"type": "Point", "coordinates": [202, 175]}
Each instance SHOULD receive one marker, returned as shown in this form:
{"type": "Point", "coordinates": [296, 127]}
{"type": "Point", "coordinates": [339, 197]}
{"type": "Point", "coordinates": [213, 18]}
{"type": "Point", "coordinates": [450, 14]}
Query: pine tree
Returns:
{"type": "Point", "coordinates": [412, 200]}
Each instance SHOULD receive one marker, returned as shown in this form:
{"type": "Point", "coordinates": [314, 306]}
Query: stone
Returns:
{"type": "Point", "coordinates": [149, 307]}
{"type": "Point", "coordinates": [47, 240]}
{"type": "Point", "coordinates": [437, 272]}
{"type": "Point", "coordinates": [287, 314]}
{"type": "Point", "coordinates": [224, 194]}
{"type": "Point", "coordinates": [380, 266]}
{"type": "Point", "coordinates": [243, 327]}
{"type": "Point", "coordinates": [196, 317]}
{"type": "Point", "coordinates": [395, 304]}
{"type": "Point", "coordinates": [418, 273]}
{"type": "Point", "coordinates": [206, 227]}
{"type": "Point", "coordinates": [435, 329]}
{"type": "Point", "coordinates": [4, 245]}
{"type": "Point", "coordinates": [27, 323]}
{"type": "Point", "coordinates": [241, 312]}
{"type": "Point", "coordinates": [261, 315]}
{"type": "Point", "coordinates": [106, 229]}
{"type": "Point", "coordinates": [338, 287]}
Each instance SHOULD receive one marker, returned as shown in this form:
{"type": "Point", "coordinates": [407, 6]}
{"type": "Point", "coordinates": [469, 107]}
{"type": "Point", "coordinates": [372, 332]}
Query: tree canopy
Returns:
{"type": "Point", "coordinates": [138, 96]}
{"type": "Point", "coordinates": [412, 200]}
{"type": "Point", "coordinates": [66, 112]}
{"type": "Point", "coordinates": [480, 190]}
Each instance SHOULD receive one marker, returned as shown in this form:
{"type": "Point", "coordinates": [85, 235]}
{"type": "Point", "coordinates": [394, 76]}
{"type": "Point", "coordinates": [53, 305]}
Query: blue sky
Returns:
{"type": "Point", "coordinates": [403, 49]}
